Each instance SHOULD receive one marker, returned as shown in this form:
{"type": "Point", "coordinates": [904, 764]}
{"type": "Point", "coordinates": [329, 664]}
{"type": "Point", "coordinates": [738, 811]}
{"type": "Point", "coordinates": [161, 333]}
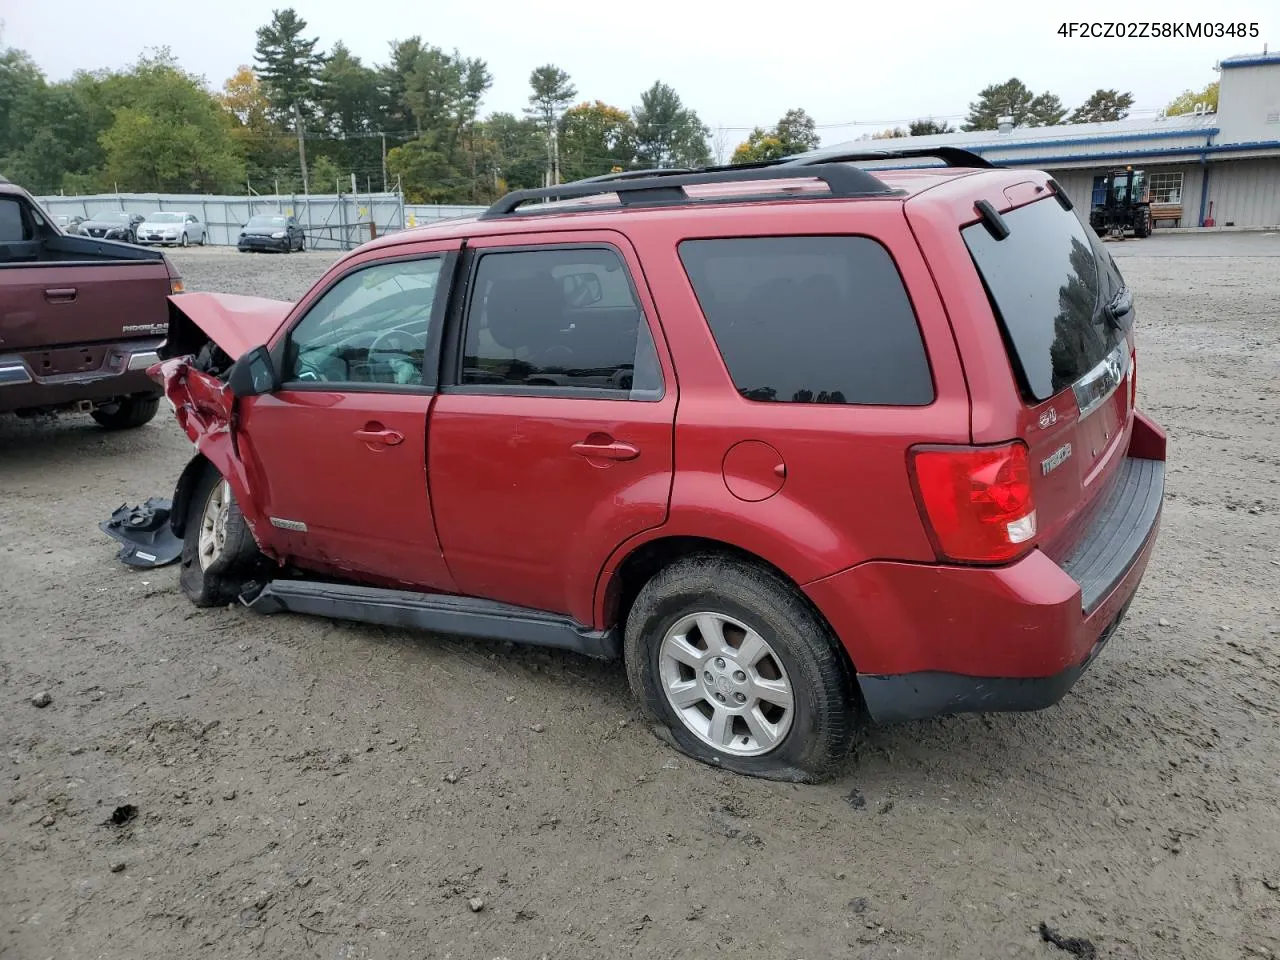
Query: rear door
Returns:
{"type": "Point", "coordinates": [1054, 288]}
{"type": "Point", "coordinates": [551, 440]}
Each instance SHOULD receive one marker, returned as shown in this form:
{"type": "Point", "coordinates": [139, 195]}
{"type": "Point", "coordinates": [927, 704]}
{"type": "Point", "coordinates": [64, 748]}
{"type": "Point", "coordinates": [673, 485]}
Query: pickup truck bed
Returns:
{"type": "Point", "coordinates": [80, 319]}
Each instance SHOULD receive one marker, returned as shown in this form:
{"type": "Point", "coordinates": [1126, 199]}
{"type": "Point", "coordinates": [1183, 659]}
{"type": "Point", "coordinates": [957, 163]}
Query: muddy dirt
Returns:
{"type": "Point", "coordinates": [304, 788]}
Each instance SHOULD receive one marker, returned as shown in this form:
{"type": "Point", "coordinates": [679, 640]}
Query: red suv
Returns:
{"type": "Point", "coordinates": [795, 441]}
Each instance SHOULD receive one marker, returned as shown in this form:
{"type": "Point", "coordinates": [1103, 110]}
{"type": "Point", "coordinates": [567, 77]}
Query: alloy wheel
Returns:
{"type": "Point", "coordinates": [726, 684]}
{"type": "Point", "coordinates": [213, 524]}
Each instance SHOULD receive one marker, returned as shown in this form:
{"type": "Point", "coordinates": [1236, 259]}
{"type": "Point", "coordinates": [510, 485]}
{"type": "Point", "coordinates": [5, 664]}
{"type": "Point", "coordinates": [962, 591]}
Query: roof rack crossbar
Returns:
{"type": "Point", "coordinates": [951, 156]}
{"type": "Point", "coordinates": [665, 188]}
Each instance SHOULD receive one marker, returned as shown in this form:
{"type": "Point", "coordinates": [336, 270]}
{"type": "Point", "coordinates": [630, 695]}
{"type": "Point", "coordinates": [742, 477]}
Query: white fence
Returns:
{"type": "Point", "coordinates": [331, 221]}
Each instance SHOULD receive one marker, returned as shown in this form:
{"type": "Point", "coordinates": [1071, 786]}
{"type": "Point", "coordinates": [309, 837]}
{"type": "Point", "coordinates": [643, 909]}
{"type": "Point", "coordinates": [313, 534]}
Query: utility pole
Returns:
{"type": "Point", "coordinates": [384, 162]}
{"type": "Point", "coordinates": [302, 149]}
{"type": "Point", "coordinates": [555, 168]}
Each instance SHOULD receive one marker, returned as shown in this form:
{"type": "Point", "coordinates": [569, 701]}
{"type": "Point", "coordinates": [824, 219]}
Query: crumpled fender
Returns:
{"type": "Point", "coordinates": [205, 409]}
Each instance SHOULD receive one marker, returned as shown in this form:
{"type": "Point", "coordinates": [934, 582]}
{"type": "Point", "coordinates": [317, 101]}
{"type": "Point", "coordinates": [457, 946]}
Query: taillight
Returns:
{"type": "Point", "coordinates": [976, 500]}
{"type": "Point", "coordinates": [176, 285]}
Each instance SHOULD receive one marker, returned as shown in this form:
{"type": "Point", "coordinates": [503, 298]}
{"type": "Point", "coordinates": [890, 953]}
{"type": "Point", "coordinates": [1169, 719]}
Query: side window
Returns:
{"type": "Point", "coordinates": [371, 327]}
{"type": "Point", "coordinates": [811, 319]}
{"type": "Point", "coordinates": [561, 321]}
{"type": "Point", "coordinates": [13, 226]}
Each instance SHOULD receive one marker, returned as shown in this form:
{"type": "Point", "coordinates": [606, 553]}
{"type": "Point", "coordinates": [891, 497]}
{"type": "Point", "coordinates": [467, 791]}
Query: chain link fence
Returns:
{"type": "Point", "coordinates": [330, 221]}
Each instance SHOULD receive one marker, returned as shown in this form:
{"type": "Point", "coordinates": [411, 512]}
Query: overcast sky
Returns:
{"type": "Point", "coordinates": [872, 64]}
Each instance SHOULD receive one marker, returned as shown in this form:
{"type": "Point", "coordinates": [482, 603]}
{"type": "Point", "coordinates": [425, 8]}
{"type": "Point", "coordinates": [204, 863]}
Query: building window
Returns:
{"type": "Point", "coordinates": [1166, 187]}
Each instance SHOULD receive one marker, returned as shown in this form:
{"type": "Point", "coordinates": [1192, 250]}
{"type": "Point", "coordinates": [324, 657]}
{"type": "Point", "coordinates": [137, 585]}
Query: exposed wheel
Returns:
{"type": "Point", "coordinates": [127, 412]}
{"type": "Point", "coordinates": [739, 671]}
{"type": "Point", "coordinates": [218, 547]}
{"type": "Point", "coordinates": [204, 238]}
{"type": "Point", "coordinates": [184, 241]}
{"type": "Point", "coordinates": [1142, 227]}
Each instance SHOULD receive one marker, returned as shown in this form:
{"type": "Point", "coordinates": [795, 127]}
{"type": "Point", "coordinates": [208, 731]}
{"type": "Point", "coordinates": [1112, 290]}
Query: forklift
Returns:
{"type": "Point", "coordinates": [1125, 205]}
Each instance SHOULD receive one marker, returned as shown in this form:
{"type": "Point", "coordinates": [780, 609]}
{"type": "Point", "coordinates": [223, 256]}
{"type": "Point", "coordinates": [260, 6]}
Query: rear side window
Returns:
{"type": "Point", "coordinates": [1049, 282]}
{"type": "Point", "coordinates": [559, 321]}
{"type": "Point", "coordinates": [810, 319]}
{"type": "Point", "coordinates": [13, 228]}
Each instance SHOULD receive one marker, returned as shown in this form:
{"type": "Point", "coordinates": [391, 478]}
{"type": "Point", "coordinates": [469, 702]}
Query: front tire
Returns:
{"type": "Point", "coordinates": [739, 672]}
{"type": "Point", "coordinates": [184, 241]}
{"type": "Point", "coordinates": [218, 548]}
{"type": "Point", "coordinates": [126, 413]}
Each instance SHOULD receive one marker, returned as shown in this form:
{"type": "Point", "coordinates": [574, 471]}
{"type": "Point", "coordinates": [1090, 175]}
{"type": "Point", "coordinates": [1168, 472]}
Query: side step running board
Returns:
{"type": "Point", "coordinates": [440, 613]}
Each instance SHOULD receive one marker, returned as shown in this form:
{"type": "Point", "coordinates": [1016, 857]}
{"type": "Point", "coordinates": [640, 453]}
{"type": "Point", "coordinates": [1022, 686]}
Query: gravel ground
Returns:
{"type": "Point", "coordinates": [306, 788]}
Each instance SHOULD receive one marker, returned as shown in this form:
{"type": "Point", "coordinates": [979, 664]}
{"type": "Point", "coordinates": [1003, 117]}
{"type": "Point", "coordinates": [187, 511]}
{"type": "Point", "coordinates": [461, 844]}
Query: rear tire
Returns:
{"type": "Point", "coordinates": [127, 413]}
{"type": "Point", "coordinates": [764, 692]}
{"type": "Point", "coordinates": [218, 549]}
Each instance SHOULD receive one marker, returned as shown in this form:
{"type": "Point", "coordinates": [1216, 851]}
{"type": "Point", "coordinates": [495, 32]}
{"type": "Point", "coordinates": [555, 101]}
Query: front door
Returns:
{"type": "Point", "coordinates": [340, 448]}
{"type": "Point", "coordinates": [551, 439]}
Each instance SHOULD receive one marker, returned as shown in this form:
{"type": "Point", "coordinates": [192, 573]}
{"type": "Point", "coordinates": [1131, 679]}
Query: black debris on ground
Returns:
{"type": "Point", "coordinates": [122, 815]}
{"type": "Point", "coordinates": [1081, 947]}
{"type": "Point", "coordinates": [855, 799]}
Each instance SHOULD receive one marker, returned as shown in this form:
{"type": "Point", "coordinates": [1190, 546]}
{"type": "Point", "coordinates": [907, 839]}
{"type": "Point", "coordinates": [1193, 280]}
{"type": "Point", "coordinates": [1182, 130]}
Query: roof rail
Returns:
{"type": "Point", "coordinates": [951, 156]}
{"type": "Point", "coordinates": [635, 174]}
{"type": "Point", "coordinates": [666, 188]}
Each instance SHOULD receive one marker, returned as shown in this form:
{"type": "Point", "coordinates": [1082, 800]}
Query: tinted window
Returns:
{"type": "Point", "coordinates": [564, 319]}
{"type": "Point", "coordinates": [12, 227]}
{"type": "Point", "coordinates": [369, 327]}
{"type": "Point", "coordinates": [810, 319]}
{"type": "Point", "coordinates": [1048, 282]}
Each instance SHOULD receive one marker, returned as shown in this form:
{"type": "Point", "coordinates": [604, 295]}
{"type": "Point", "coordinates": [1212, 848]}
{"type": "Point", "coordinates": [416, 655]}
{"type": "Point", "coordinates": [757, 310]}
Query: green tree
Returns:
{"type": "Point", "coordinates": [394, 77]}
{"type": "Point", "coordinates": [1046, 110]}
{"type": "Point", "coordinates": [426, 175]}
{"type": "Point", "coordinates": [173, 137]}
{"type": "Point", "coordinates": [518, 153]}
{"type": "Point", "coordinates": [1102, 105]}
{"type": "Point", "coordinates": [760, 146]}
{"type": "Point", "coordinates": [1012, 99]}
{"type": "Point", "coordinates": [929, 127]}
{"type": "Point", "coordinates": [1186, 101]}
{"type": "Point", "coordinates": [288, 65]}
{"type": "Point", "coordinates": [552, 92]}
{"type": "Point", "coordinates": [797, 132]}
{"type": "Point", "coordinates": [20, 82]}
{"type": "Point", "coordinates": [350, 109]}
{"type": "Point", "coordinates": [667, 132]}
{"type": "Point", "coordinates": [270, 154]}
{"type": "Point", "coordinates": [324, 175]}
{"type": "Point", "coordinates": [594, 139]}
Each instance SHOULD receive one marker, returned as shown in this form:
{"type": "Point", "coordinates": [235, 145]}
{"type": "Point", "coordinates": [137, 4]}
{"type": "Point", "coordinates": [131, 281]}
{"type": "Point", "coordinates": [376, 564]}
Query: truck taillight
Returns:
{"type": "Point", "coordinates": [976, 500]}
{"type": "Point", "coordinates": [176, 285]}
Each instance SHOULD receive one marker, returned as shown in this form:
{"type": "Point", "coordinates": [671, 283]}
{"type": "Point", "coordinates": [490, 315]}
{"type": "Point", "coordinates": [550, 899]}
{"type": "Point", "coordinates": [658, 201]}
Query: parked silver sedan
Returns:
{"type": "Point", "coordinates": [172, 228]}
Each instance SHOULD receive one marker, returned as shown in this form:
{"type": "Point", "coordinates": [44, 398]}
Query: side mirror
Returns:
{"type": "Point", "coordinates": [253, 374]}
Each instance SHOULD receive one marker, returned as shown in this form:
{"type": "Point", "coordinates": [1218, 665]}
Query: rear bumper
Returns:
{"type": "Point", "coordinates": [123, 372]}
{"type": "Point", "coordinates": [930, 640]}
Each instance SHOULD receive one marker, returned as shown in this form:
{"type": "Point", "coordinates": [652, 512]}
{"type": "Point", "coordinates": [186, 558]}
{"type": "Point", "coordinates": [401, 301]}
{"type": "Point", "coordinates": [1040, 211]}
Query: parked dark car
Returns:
{"type": "Point", "coordinates": [901, 469]}
{"type": "Point", "coordinates": [112, 225]}
{"type": "Point", "coordinates": [272, 232]}
{"type": "Point", "coordinates": [81, 319]}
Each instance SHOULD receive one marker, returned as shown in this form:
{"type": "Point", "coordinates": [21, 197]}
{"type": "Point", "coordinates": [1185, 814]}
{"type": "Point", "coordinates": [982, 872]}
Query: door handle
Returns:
{"type": "Point", "coordinates": [60, 294]}
{"type": "Point", "coordinates": [611, 450]}
{"type": "Point", "coordinates": [389, 437]}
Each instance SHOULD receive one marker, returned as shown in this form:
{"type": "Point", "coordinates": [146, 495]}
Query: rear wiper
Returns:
{"type": "Point", "coordinates": [1121, 306]}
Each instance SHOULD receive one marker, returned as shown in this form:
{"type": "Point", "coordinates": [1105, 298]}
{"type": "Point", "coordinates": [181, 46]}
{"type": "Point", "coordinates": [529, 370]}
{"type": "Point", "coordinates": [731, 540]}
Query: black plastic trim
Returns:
{"type": "Point", "coordinates": [441, 613]}
{"type": "Point", "coordinates": [1060, 195]}
{"type": "Point", "coordinates": [898, 698]}
{"type": "Point", "coordinates": [951, 156]}
{"type": "Point", "coordinates": [665, 189]}
{"type": "Point", "coordinates": [1118, 532]}
{"type": "Point", "coordinates": [991, 219]}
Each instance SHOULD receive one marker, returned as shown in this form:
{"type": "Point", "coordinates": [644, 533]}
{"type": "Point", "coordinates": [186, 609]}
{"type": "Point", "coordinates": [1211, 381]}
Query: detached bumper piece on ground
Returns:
{"type": "Point", "coordinates": [146, 538]}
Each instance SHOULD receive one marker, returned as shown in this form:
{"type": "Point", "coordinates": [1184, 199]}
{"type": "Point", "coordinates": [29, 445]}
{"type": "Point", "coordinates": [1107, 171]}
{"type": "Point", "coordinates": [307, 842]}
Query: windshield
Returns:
{"type": "Point", "coordinates": [165, 218]}
{"type": "Point", "coordinates": [1049, 282]}
{"type": "Point", "coordinates": [267, 221]}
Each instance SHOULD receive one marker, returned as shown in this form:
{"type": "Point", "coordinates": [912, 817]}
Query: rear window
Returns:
{"type": "Point", "coordinates": [1049, 282]}
{"type": "Point", "coordinates": [810, 319]}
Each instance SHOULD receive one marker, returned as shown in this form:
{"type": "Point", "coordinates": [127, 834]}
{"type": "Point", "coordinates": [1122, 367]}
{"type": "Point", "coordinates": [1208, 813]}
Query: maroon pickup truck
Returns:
{"type": "Point", "coordinates": [80, 319]}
